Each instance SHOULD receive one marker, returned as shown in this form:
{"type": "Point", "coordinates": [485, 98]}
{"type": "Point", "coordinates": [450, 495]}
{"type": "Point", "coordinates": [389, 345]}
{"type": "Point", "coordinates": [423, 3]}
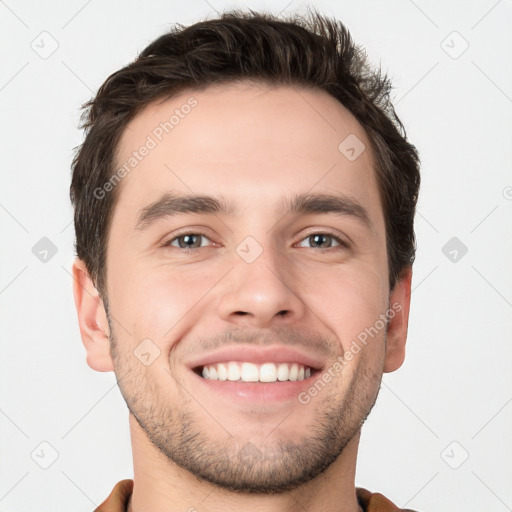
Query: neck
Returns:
{"type": "Point", "coordinates": [161, 485]}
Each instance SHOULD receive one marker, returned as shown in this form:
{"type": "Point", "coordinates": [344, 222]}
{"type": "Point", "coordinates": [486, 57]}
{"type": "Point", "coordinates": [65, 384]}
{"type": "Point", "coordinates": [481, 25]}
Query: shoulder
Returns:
{"type": "Point", "coordinates": [117, 500]}
{"type": "Point", "coordinates": [376, 502]}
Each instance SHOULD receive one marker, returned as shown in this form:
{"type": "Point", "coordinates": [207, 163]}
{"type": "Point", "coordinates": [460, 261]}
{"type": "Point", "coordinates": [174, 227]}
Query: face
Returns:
{"type": "Point", "coordinates": [246, 261]}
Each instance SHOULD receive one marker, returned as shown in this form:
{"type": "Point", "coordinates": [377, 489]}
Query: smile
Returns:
{"type": "Point", "coordinates": [251, 372]}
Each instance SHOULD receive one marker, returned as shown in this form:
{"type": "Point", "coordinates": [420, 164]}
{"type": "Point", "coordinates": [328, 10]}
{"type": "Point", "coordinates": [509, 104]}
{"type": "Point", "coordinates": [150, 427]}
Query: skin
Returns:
{"type": "Point", "coordinates": [256, 146]}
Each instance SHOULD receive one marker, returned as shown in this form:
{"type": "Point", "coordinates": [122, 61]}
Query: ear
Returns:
{"type": "Point", "coordinates": [399, 300]}
{"type": "Point", "coordinates": [92, 319]}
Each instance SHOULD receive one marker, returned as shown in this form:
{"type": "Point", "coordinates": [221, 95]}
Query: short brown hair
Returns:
{"type": "Point", "coordinates": [312, 51]}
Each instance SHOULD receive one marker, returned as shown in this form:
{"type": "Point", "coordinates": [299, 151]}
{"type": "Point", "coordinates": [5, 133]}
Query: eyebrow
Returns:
{"type": "Point", "coordinates": [169, 205]}
{"type": "Point", "coordinates": [339, 204]}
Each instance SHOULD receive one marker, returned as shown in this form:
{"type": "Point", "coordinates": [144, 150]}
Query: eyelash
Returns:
{"type": "Point", "coordinates": [188, 233]}
{"type": "Point", "coordinates": [342, 244]}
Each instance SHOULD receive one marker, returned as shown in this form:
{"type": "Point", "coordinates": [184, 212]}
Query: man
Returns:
{"type": "Point", "coordinates": [244, 203]}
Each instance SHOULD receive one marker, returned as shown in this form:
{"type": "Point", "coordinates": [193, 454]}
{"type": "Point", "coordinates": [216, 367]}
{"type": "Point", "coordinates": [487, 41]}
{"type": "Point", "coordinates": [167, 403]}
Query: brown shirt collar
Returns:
{"type": "Point", "coordinates": [120, 496]}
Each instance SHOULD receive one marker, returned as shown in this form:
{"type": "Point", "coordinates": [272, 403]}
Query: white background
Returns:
{"type": "Point", "coordinates": [453, 396]}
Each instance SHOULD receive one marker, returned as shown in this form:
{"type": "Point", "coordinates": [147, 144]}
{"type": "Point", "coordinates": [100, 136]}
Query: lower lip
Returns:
{"type": "Point", "coordinates": [257, 391]}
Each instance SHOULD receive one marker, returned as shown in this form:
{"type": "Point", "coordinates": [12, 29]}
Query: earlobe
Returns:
{"type": "Point", "coordinates": [92, 319]}
{"type": "Point", "coordinates": [400, 299]}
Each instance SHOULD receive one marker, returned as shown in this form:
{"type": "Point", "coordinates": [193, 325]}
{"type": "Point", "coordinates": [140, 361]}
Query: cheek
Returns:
{"type": "Point", "coordinates": [349, 303]}
{"type": "Point", "coordinates": [161, 303]}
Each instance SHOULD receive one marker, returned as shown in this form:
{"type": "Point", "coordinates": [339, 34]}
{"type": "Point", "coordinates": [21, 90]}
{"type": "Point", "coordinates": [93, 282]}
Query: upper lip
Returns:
{"type": "Point", "coordinates": [257, 355]}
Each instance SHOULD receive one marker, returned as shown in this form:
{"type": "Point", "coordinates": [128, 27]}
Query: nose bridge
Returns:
{"type": "Point", "coordinates": [258, 290]}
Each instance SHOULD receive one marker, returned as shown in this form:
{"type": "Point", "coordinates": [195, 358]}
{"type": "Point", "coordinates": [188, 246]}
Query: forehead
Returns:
{"type": "Point", "coordinates": [247, 141]}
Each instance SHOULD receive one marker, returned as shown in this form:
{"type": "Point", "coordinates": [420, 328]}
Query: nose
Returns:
{"type": "Point", "coordinates": [261, 293]}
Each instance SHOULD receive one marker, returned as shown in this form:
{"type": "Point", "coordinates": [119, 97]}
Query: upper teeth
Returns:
{"type": "Point", "coordinates": [250, 372]}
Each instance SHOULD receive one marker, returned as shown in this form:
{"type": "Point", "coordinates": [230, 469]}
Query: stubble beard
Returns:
{"type": "Point", "coordinates": [273, 466]}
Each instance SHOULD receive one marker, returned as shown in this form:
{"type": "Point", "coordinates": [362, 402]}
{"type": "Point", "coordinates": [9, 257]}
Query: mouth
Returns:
{"type": "Point", "coordinates": [257, 374]}
{"type": "Point", "coordinates": [245, 371]}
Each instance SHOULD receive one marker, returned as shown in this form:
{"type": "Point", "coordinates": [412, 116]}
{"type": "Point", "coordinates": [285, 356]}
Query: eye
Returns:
{"type": "Point", "coordinates": [189, 241]}
{"type": "Point", "coordinates": [321, 241]}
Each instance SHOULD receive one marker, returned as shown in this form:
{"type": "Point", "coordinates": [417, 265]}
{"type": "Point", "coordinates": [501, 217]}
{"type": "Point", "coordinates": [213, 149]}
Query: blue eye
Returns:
{"type": "Point", "coordinates": [321, 241]}
{"type": "Point", "coordinates": [189, 241]}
